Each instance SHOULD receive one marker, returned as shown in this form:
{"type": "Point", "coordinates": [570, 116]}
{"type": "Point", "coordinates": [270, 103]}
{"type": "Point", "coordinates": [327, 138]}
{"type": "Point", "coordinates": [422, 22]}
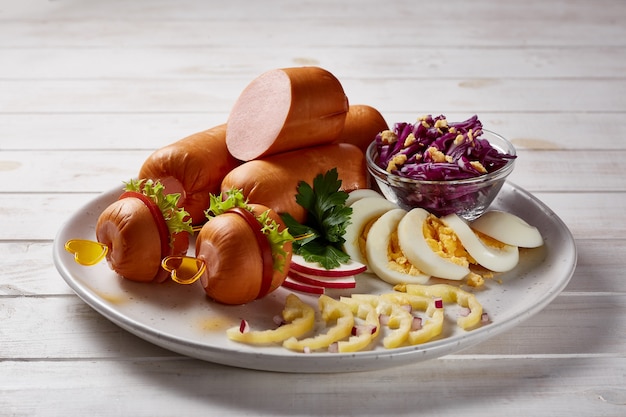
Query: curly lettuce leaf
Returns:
{"type": "Point", "coordinates": [221, 203]}
{"type": "Point", "coordinates": [276, 238]}
{"type": "Point", "coordinates": [176, 218]}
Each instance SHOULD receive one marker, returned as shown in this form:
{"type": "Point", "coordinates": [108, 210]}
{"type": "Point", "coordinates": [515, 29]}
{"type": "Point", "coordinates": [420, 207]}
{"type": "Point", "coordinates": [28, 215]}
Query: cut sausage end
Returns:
{"type": "Point", "coordinates": [258, 116]}
{"type": "Point", "coordinates": [286, 109]}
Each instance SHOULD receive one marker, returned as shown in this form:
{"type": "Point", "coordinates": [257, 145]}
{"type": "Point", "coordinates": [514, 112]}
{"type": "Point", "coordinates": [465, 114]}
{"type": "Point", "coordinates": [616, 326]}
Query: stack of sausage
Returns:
{"type": "Point", "coordinates": [287, 126]}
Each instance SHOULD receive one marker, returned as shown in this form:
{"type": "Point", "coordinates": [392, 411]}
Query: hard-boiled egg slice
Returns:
{"type": "Point", "coordinates": [364, 211]}
{"type": "Point", "coordinates": [508, 228]}
{"type": "Point", "coordinates": [496, 259]}
{"type": "Point", "coordinates": [360, 193]}
{"type": "Point", "coordinates": [417, 251]}
{"type": "Point", "coordinates": [377, 250]}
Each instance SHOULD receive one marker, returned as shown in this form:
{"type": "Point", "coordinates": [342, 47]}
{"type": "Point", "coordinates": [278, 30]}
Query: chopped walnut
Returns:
{"type": "Point", "coordinates": [388, 137]}
{"type": "Point", "coordinates": [424, 121]}
{"type": "Point", "coordinates": [436, 154]}
{"type": "Point", "coordinates": [410, 139]}
{"type": "Point", "coordinates": [441, 124]}
{"type": "Point", "coordinates": [479, 167]}
{"type": "Point", "coordinates": [396, 161]}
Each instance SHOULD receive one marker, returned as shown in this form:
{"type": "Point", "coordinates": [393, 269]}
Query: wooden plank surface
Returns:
{"type": "Point", "coordinates": [435, 95]}
{"type": "Point", "coordinates": [162, 62]}
{"type": "Point", "coordinates": [149, 131]}
{"type": "Point", "coordinates": [88, 89]}
{"type": "Point", "coordinates": [549, 386]}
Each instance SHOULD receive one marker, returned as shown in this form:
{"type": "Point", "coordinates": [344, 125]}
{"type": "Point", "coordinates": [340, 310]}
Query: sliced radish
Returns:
{"type": "Point", "coordinates": [302, 287]}
{"type": "Point", "coordinates": [299, 264]}
{"type": "Point", "coordinates": [326, 282]}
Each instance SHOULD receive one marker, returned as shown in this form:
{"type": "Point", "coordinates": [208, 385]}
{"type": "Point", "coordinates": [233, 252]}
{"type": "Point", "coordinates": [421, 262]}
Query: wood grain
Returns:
{"type": "Point", "coordinates": [88, 89]}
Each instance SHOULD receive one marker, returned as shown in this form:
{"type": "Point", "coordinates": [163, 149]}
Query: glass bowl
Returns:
{"type": "Point", "coordinates": [468, 198]}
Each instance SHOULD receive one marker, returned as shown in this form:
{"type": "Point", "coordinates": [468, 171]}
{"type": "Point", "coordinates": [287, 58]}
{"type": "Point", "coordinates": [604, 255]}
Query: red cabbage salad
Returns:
{"type": "Point", "coordinates": [434, 149]}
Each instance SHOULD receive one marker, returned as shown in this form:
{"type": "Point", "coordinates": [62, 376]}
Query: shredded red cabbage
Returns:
{"type": "Point", "coordinates": [434, 149]}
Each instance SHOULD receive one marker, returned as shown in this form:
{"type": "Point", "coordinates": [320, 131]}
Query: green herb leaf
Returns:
{"type": "Point", "coordinates": [321, 239]}
{"type": "Point", "coordinates": [326, 255]}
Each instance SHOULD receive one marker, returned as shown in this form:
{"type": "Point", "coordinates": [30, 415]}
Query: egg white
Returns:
{"type": "Point", "coordinates": [377, 245]}
{"type": "Point", "coordinates": [418, 252]}
{"type": "Point", "coordinates": [361, 193]}
{"type": "Point", "coordinates": [495, 259]}
{"type": "Point", "coordinates": [364, 210]}
{"type": "Point", "coordinates": [508, 228]}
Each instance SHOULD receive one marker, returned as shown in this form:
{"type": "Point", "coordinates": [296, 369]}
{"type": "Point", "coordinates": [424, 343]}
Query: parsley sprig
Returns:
{"type": "Point", "coordinates": [320, 239]}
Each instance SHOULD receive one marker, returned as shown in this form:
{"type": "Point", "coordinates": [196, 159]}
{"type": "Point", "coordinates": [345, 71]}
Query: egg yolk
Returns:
{"type": "Point", "coordinates": [444, 242]}
{"type": "Point", "coordinates": [489, 241]}
{"type": "Point", "coordinates": [397, 260]}
{"type": "Point", "coordinates": [363, 237]}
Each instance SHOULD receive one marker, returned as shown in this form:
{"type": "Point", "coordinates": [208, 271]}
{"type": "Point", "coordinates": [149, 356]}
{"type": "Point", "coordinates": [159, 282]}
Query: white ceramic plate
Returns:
{"type": "Point", "coordinates": [181, 319]}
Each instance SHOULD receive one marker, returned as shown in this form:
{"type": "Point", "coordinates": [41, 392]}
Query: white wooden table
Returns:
{"type": "Point", "coordinates": [88, 89]}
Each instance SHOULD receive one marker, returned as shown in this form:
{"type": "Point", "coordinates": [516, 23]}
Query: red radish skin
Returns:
{"type": "Point", "coordinates": [319, 281]}
{"type": "Point", "coordinates": [286, 109]}
{"type": "Point", "coordinates": [299, 264]}
{"type": "Point", "coordinates": [302, 287]}
{"type": "Point", "coordinates": [244, 327]}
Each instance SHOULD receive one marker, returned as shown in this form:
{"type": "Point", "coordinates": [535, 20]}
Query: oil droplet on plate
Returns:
{"type": "Point", "coordinates": [113, 298]}
{"type": "Point", "coordinates": [217, 323]}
